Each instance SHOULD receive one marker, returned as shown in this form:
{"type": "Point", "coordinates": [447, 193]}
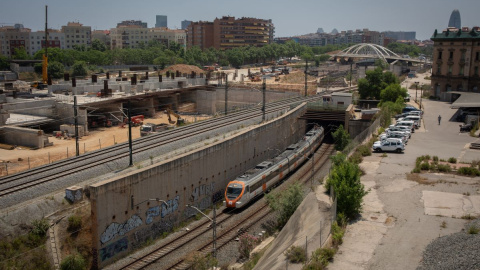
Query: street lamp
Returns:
{"type": "Point", "coordinates": [416, 88]}
{"type": "Point", "coordinates": [214, 226]}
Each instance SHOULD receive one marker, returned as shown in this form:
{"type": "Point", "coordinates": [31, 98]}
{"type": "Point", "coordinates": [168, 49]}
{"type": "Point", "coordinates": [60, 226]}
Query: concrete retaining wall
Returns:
{"type": "Point", "coordinates": [23, 137]}
{"type": "Point", "coordinates": [120, 225]}
{"type": "Point", "coordinates": [241, 97]}
{"type": "Point", "coordinates": [44, 107]}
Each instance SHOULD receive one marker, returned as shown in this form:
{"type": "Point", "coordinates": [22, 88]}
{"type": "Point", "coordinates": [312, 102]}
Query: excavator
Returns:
{"type": "Point", "coordinates": [179, 121]}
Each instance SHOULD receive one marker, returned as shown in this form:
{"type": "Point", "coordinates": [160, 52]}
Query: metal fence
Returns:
{"type": "Point", "coordinates": [361, 137]}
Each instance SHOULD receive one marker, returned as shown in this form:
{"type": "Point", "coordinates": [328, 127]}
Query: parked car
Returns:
{"type": "Point", "coordinates": [409, 108]}
{"type": "Point", "coordinates": [404, 129]}
{"type": "Point", "coordinates": [407, 98]}
{"type": "Point", "coordinates": [466, 127]}
{"type": "Point", "coordinates": [395, 135]}
{"type": "Point", "coordinates": [392, 145]}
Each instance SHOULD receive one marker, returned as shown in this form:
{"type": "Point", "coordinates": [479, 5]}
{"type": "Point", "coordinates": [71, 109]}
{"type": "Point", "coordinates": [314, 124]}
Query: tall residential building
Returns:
{"type": "Point", "coordinates": [229, 33]}
{"type": "Point", "coordinates": [133, 36]}
{"type": "Point", "coordinates": [56, 39]}
{"type": "Point", "coordinates": [455, 20]}
{"type": "Point", "coordinates": [200, 34]}
{"type": "Point", "coordinates": [103, 36]}
{"type": "Point", "coordinates": [12, 38]}
{"type": "Point", "coordinates": [161, 21]}
{"type": "Point", "coordinates": [456, 61]}
{"type": "Point", "coordinates": [185, 24]}
{"type": "Point", "coordinates": [77, 34]}
{"type": "Point", "coordinates": [401, 35]}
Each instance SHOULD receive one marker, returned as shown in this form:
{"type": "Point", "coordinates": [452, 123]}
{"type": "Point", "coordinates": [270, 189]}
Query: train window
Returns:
{"type": "Point", "coordinates": [247, 188]}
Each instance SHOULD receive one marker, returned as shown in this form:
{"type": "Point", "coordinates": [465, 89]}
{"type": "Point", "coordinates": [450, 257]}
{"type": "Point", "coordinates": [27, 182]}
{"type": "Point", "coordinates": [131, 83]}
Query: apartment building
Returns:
{"type": "Point", "coordinates": [456, 61]}
{"type": "Point", "coordinates": [56, 39]}
{"type": "Point", "coordinates": [227, 33]}
{"type": "Point", "coordinates": [102, 35]}
{"type": "Point", "coordinates": [200, 34]}
{"type": "Point", "coordinates": [13, 37]}
{"type": "Point", "coordinates": [77, 34]}
{"type": "Point", "coordinates": [133, 36]}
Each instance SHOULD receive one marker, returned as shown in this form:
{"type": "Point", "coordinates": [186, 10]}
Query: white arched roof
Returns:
{"type": "Point", "coordinates": [369, 49]}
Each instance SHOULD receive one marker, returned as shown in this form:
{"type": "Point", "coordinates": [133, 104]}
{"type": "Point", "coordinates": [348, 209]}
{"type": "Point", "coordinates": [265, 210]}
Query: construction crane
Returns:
{"type": "Point", "coordinates": [45, 55]}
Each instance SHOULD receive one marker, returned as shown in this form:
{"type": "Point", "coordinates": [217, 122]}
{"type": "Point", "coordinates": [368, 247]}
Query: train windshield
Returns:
{"type": "Point", "coordinates": [233, 191]}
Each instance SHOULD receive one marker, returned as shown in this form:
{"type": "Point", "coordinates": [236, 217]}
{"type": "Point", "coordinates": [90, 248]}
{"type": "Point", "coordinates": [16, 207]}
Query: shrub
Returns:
{"type": "Point", "coordinates": [473, 229]}
{"type": "Point", "coordinates": [356, 158]}
{"type": "Point", "coordinates": [444, 168]}
{"type": "Point", "coordinates": [364, 150]}
{"type": "Point", "coordinates": [425, 166]}
{"type": "Point", "coordinates": [73, 262]}
{"type": "Point", "coordinates": [341, 138]}
{"type": "Point", "coordinates": [79, 69]}
{"type": "Point", "coordinates": [247, 243]}
{"type": "Point", "coordinates": [337, 234]}
{"type": "Point", "coordinates": [320, 258]}
{"type": "Point", "coordinates": [349, 191]}
{"type": "Point", "coordinates": [74, 223]}
{"type": "Point", "coordinates": [452, 160]}
{"type": "Point", "coordinates": [342, 220]}
{"type": "Point", "coordinates": [285, 202]}
{"type": "Point", "coordinates": [435, 159]}
{"type": "Point", "coordinates": [468, 171]}
{"type": "Point", "coordinates": [416, 170]}
{"type": "Point", "coordinates": [296, 254]}
{"type": "Point", "coordinates": [40, 227]}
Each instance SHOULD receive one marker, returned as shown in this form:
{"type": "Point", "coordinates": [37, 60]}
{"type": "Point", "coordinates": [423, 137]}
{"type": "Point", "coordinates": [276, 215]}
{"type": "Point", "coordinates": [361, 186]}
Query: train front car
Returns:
{"type": "Point", "coordinates": [233, 194]}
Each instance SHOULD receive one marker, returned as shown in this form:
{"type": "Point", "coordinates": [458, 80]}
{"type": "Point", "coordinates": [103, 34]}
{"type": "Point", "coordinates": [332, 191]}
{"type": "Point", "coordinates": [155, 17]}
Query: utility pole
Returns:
{"type": "Point", "coordinates": [264, 90]}
{"type": "Point", "coordinates": [306, 69]}
{"type": "Point", "coordinates": [351, 73]}
{"type": "Point", "coordinates": [214, 225]}
{"type": "Point", "coordinates": [226, 94]}
{"type": "Point", "coordinates": [75, 113]}
{"type": "Point", "coordinates": [130, 135]}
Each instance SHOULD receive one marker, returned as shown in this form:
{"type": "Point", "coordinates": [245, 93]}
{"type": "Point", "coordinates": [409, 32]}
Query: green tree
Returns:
{"type": "Point", "coordinates": [344, 178]}
{"type": "Point", "coordinates": [73, 262]}
{"type": "Point", "coordinates": [392, 92]}
{"type": "Point", "coordinates": [55, 70]}
{"type": "Point", "coordinates": [4, 65]}
{"type": "Point", "coordinates": [79, 69]}
{"type": "Point", "coordinates": [235, 57]}
{"type": "Point", "coordinates": [20, 54]}
{"type": "Point", "coordinates": [54, 54]}
{"type": "Point", "coordinates": [98, 45]}
{"type": "Point", "coordinates": [285, 203]}
{"type": "Point", "coordinates": [341, 138]}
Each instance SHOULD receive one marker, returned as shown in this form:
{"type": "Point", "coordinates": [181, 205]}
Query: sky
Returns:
{"type": "Point", "coordinates": [289, 17]}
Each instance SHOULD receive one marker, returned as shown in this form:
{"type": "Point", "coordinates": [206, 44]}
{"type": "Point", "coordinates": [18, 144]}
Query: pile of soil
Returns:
{"type": "Point", "coordinates": [183, 69]}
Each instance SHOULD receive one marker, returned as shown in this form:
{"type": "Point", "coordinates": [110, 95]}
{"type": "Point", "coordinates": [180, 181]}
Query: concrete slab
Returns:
{"type": "Point", "coordinates": [450, 204]}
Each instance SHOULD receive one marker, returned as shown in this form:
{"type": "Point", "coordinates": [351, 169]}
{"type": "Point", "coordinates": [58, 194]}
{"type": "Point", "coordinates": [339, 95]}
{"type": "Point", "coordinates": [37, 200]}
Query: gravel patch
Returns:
{"type": "Point", "coordinates": [456, 251]}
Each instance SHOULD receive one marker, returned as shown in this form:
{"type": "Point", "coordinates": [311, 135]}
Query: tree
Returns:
{"type": "Point", "coordinates": [20, 54]}
{"type": "Point", "coordinates": [371, 86]}
{"type": "Point", "coordinates": [4, 63]}
{"type": "Point", "coordinates": [79, 69]}
{"type": "Point", "coordinates": [235, 57]}
{"type": "Point", "coordinates": [392, 93]}
{"type": "Point", "coordinates": [285, 203]}
{"type": "Point", "coordinates": [98, 45]}
{"type": "Point", "coordinates": [344, 178]}
{"type": "Point", "coordinates": [341, 138]}
{"type": "Point", "coordinates": [55, 70]}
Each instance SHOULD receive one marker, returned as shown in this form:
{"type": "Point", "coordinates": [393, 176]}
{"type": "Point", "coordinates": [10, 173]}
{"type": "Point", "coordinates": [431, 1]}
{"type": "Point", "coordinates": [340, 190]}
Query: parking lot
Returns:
{"type": "Point", "coordinates": [404, 212]}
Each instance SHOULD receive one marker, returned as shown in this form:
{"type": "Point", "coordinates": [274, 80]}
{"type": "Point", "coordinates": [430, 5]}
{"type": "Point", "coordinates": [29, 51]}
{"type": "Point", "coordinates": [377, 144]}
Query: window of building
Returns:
{"type": "Point", "coordinates": [440, 55]}
{"type": "Point", "coordinates": [461, 71]}
{"type": "Point", "coordinates": [476, 71]}
{"type": "Point", "coordinates": [463, 56]}
{"type": "Point", "coordinates": [451, 55]}
{"type": "Point", "coordinates": [477, 56]}
{"type": "Point", "coordinates": [449, 69]}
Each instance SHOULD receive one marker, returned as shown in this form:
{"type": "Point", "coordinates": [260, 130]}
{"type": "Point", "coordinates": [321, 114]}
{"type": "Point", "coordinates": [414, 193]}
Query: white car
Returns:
{"type": "Point", "coordinates": [404, 129]}
{"type": "Point", "coordinates": [393, 145]}
{"type": "Point", "coordinates": [397, 134]}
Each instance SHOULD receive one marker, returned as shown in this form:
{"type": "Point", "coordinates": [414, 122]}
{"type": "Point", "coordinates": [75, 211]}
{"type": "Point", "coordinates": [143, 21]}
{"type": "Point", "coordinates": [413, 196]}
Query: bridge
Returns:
{"type": "Point", "coordinates": [369, 50]}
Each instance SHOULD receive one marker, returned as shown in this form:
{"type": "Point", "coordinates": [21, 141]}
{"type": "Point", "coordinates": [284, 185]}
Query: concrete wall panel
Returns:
{"type": "Point", "coordinates": [197, 178]}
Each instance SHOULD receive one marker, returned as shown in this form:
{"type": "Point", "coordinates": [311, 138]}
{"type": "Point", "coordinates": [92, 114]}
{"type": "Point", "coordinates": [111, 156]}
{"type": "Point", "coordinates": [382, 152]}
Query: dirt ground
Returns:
{"type": "Point", "coordinates": [21, 158]}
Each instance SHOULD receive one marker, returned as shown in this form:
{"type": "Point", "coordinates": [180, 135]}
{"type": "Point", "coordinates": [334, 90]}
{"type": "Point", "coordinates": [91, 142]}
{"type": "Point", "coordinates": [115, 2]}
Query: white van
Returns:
{"type": "Point", "coordinates": [409, 124]}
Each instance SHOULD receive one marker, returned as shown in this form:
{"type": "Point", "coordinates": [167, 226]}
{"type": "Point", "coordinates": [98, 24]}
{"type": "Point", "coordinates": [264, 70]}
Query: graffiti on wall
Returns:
{"type": "Point", "coordinates": [163, 210]}
{"type": "Point", "coordinates": [115, 229]}
{"type": "Point", "coordinates": [73, 195]}
{"type": "Point", "coordinates": [157, 228]}
{"type": "Point", "coordinates": [202, 190]}
{"type": "Point", "coordinates": [113, 249]}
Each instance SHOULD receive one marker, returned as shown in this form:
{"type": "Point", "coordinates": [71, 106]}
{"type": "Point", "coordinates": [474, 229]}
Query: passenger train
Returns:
{"type": "Point", "coordinates": [258, 180]}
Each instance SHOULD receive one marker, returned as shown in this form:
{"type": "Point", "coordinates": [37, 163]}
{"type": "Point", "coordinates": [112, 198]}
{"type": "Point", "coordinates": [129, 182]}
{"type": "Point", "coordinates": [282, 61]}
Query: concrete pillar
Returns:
{"type": "Point", "coordinates": [150, 108]}
{"type": "Point", "coordinates": [175, 101]}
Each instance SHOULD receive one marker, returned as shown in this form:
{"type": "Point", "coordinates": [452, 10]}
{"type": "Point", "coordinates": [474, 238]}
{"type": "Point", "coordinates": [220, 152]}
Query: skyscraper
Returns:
{"type": "Point", "coordinates": [455, 20]}
{"type": "Point", "coordinates": [185, 24]}
{"type": "Point", "coordinates": [161, 21]}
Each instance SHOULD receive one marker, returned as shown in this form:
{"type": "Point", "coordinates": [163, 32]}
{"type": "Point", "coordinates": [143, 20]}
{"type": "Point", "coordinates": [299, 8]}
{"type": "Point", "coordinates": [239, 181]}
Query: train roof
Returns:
{"type": "Point", "coordinates": [251, 173]}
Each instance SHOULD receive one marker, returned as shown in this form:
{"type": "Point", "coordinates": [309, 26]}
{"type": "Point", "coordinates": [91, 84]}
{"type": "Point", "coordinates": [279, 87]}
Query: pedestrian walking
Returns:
{"type": "Point", "coordinates": [439, 119]}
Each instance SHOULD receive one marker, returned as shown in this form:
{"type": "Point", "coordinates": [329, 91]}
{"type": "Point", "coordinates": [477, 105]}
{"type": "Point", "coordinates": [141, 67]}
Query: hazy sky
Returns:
{"type": "Point", "coordinates": [290, 17]}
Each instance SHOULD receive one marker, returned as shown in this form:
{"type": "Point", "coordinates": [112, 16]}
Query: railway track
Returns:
{"type": "Point", "coordinates": [255, 213]}
{"type": "Point", "coordinates": [20, 181]}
